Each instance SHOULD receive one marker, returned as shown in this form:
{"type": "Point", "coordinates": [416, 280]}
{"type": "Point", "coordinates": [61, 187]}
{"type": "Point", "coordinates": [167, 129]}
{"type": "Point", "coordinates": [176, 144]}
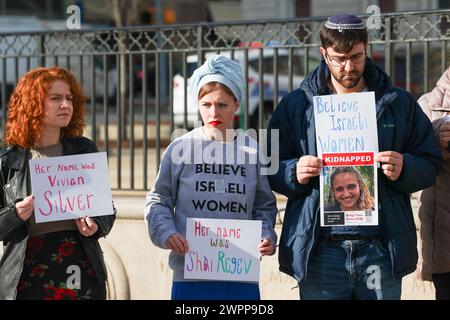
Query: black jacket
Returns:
{"type": "Point", "coordinates": [14, 232]}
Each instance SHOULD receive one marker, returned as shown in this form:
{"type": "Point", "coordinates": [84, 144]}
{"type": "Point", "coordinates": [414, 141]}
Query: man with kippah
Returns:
{"type": "Point", "coordinates": [351, 262]}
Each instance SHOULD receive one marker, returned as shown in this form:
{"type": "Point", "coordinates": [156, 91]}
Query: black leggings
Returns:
{"type": "Point", "coordinates": [442, 284]}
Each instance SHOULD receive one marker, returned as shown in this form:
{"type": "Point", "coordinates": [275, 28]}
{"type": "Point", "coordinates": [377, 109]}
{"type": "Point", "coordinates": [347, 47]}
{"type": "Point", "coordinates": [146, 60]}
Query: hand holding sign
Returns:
{"type": "Point", "coordinates": [266, 247]}
{"type": "Point", "coordinates": [87, 226]}
{"type": "Point", "coordinates": [24, 208]}
{"type": "Point", "coordinates": [177, 244]}
{"type": "Point", "coordinates": [307, 168]}
{"type": "Point", "coordinates": [392, 163]}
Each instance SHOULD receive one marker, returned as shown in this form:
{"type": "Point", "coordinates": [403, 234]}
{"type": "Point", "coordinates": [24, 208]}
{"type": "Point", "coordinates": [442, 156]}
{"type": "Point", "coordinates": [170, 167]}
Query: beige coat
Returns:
{"type": "Point", "coordinates": [434, 210]}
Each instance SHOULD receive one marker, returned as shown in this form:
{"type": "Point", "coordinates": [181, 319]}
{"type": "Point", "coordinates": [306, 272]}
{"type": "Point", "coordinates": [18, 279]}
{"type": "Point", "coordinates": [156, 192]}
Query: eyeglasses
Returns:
{"type": "Point", "coordinates": [341, 62]}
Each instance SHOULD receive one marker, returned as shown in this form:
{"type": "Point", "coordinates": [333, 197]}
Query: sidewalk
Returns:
{"type": "Point", "coordinates": [145, 260]}
{"type": "Point", "coordinates": [139, 270]}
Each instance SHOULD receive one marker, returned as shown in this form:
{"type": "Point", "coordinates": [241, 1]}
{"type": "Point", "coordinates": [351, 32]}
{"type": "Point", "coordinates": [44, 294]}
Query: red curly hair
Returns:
{"type": "Point", "coordinates": [26, 106]}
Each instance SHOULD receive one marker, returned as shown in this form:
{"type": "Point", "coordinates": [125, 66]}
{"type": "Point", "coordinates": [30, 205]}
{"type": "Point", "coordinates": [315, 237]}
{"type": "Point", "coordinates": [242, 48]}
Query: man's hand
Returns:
{"type": "Point", "coordinates": [391, 163]}
{"type": "Point", "coordinates": [308, 167]}
{"type": "Point", "coordinates": [177, 243]}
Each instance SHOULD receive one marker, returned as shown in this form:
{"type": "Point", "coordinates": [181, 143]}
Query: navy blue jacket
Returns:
{"type": "Point", "coordinates": [402, 127]}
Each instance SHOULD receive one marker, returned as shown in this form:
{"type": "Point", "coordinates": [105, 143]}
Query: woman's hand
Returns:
{"type": "Point", "coordinates": [87, 226]}
{"type": "Point", "coordinates": [177, 244]}
{"type": "Point", "coordinates": [266, 247]}
{"type": "Point", "coordinates": [24, 208]}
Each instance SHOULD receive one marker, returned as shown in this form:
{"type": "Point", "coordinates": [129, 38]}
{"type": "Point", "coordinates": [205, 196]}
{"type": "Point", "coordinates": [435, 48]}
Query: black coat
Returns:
{"type": "Point", "coordinates": [14, 232]}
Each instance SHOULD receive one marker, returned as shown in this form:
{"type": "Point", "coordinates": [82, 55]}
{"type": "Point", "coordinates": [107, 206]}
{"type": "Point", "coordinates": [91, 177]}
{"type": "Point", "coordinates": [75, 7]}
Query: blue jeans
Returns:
{"type": "Point", "coordinates": [350, 269]}
{"type": "Point", "coordinates": [214, 290]}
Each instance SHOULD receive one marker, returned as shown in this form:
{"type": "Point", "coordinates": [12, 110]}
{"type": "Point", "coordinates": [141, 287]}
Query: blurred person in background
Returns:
{"type": "Point", "coordinates": [434, 209]}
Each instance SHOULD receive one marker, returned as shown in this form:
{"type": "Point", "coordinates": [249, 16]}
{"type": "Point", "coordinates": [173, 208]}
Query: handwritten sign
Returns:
{"type": "Point", "coordinates": [70, 187]}
{"type": "Point", "coordinates": [347, 140]}
{"type": "Point", "coordinates": [222, 249]}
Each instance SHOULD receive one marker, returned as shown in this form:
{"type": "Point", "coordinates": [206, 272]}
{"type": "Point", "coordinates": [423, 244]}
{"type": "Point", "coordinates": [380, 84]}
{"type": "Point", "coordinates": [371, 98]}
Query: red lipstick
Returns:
{"type": "Point", "coordinates": [215, 123]}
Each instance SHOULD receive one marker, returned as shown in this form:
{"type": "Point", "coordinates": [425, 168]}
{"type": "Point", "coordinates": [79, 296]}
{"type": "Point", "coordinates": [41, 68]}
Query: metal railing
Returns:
{"type": "Point", "coordinates": [134, 125]}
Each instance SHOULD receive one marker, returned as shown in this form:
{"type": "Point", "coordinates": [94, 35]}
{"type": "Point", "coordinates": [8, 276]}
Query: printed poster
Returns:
{"type": "Point", "coordinates": [71, 187]}
{"type": "Point", "coordinates": [222, 249]}
{"type": "Point", "coordinates": [347, 140]}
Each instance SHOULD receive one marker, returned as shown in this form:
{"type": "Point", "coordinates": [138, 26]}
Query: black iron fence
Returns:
{"type": "Point", "coordinates": [135, 77]}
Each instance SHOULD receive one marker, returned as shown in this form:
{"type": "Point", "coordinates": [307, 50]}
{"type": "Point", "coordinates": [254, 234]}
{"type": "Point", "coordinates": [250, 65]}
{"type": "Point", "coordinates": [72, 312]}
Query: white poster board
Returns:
{"type": "Point", "coordinates": [71, 187]}
{"type": "Point", "coordinates": [222, 249]}
{"type": "Point", "coordinates": [347, 140]}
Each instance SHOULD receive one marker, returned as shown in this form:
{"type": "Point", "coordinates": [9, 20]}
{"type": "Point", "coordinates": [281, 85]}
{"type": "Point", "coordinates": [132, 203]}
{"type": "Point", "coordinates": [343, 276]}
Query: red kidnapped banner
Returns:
{"type": "Point", "coordinates": [347, 159]}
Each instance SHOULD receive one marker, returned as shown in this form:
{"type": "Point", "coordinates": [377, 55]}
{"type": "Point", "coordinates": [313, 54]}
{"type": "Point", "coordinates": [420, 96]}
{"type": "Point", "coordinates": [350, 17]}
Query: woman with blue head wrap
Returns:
{"type": "Point", "coordinates": [191, 183]}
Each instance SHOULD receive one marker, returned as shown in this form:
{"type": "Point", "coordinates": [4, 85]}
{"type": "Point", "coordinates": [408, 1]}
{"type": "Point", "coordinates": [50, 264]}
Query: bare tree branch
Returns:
{"type": "Point", "coordinates": [127, 13]}
{"type": "Point", "coordinates": [117, 13]}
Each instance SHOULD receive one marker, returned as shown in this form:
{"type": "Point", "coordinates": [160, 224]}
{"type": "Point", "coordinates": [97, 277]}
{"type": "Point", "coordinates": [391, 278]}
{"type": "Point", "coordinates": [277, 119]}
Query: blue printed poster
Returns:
{"type": "Point", "coordinates": [347, 140]}
{"type": "Point", "coordinates": [222, 249]}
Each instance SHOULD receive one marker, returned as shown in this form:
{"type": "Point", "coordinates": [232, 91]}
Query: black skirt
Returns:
{"type": "Point", "coordinates": [56, 267]}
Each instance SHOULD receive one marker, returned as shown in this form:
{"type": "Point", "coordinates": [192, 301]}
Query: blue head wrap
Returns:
{"type": "Point", "coordinates": [218, 69]}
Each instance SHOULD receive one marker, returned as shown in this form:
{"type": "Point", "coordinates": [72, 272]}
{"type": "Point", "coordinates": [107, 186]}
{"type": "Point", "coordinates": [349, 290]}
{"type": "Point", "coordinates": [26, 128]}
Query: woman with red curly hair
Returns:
{"type": "Point", "coordinates": [52, 260]}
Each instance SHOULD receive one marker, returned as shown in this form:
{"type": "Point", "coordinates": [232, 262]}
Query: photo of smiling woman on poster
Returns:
{"type": "Point", "coordinates": [348, 189]}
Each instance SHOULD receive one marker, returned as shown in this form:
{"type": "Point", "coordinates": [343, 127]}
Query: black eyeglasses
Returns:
{"type": "Point", "coordinates": [341, 62]}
